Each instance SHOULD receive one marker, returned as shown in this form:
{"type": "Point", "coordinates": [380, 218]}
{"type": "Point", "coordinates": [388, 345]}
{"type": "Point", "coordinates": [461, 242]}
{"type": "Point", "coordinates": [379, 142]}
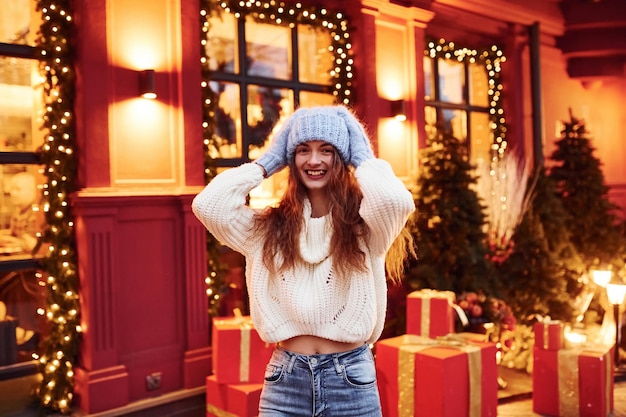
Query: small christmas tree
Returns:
{"type": "Point", "coordinates": [451, 245]}
{"type": "Point", "coordinates": [595, 225]}
{"type": "Point", "coordinates": [541, 276]}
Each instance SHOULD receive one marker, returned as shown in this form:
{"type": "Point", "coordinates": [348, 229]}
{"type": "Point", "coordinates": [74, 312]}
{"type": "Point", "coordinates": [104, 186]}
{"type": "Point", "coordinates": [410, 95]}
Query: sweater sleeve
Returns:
{"type": "Point", "coordinates": [386, 205]}
{"type": "Point", "coordinates": [221, 206]}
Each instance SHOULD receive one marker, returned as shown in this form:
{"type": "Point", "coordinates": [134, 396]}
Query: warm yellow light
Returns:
{"type": "Point", "coordinates": [575, 338]}
{"type": "Point", "coordinates": [616, 293]}
{"type": "Point", "coordinates": [601, 277]}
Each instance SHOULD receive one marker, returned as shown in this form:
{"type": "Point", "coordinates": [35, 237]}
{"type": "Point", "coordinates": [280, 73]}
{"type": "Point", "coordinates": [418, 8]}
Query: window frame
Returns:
{"type": "Point", "coordinates": [20, 157]}
{"type": "Point", "coordinates": [492, 58]}
{"type": "Point", "coordinates": [282, 15]}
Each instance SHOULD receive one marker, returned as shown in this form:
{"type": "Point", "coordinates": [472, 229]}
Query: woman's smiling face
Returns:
{"type": "Point", "coordinates": [313, 161]}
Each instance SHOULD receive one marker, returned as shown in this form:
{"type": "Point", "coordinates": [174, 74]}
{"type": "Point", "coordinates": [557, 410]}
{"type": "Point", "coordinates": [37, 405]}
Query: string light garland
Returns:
{"type": "Point", "coordinates": [277, 13]}
{"type": "Point", "coordinates": [492, 58]}
{"type": "Point", "coordinates": [57, 154]}
{"type": "Point", "coordinates": [498, 169]}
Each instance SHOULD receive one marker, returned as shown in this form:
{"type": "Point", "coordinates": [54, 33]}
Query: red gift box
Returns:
{"type": "Point", "coordinates": [243, 399]}
{"type": "Point", "coordinates": [231, 400]}
{"type": "Point", "coordinates": [573, 382]}
{"type": "Point", "coordinates": [239, 354]}
{"type": "Point", "coordinates": [430, 313]}
{"type": "Point", "coordinates": [216, 399]}
{"type": "Point", "coordinates": [549, 335]}
{"type": "Point", "coordinates": [418, 376]}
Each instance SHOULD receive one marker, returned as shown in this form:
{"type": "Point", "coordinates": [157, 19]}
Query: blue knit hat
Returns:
{"type": "Point", "coordinates": [331, 124]}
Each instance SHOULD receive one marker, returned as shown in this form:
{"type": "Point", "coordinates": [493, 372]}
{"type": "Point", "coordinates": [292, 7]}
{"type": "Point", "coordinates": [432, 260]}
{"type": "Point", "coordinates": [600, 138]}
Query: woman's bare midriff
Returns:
{"type": "Point", "coordinates": [312, 345]}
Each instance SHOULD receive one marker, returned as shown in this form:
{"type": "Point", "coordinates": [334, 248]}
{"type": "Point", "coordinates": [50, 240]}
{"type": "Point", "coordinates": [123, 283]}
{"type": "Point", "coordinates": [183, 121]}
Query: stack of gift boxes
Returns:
{"type": "Point", "coordinates": [430, 371]}
{"type": "Point", "coordinates": [570, 379]}
{"type": "Point", "coordinates": [433, 372]}
{"type": "Point", "coordinates": [239, 360]}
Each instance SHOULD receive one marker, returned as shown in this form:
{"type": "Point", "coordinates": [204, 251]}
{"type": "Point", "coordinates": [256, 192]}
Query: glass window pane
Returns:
{"type": "Point", "coordinates": [271, 189]}
{"type": "Point", "coordinates": [22, 302]}
{"type": "Point", "coordinates": [481, 137]}
{"type": "Point", "coordinates": [221, 46]}
{"type": "Point", "coordinates": [20, 101]}
{"type": "Point", "coordinates": [269, 192]}
{"type": "Point", "coordinates": [15, 22]}
{"type": "Point", "coordinates": [455, 122]}
{"type": "Point", "coordinates": [227, 121]}
{"type": "Point", "coordinates": [265, 108]}
{"type": "Point", "coordinates": [451, 81]}
{"type": "Point", "coordinates": [430, 116]}
{"type": "Point", "coordinates": [268, 50]}
{"type": "Point", "coordinates": [310, 99]}
{"type": "Point", "coordinates": [451, 121]}
{"type": "Point", "coordinates": [429, 81]}
{"type": "Point", "coordinates": [20, 215]}
{"type": "Point", "coordinates": [478, 85]}
{"type": "Point", "coordinates": [314, 60]}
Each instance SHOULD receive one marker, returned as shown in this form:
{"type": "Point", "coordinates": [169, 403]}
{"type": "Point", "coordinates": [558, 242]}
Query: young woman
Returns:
{"type": "Point", "coordinates": [316, 264]}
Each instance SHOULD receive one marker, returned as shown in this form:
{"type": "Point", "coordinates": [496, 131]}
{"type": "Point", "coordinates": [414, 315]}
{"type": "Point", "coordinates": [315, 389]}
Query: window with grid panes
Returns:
{"type": "Point", "coordinates": [260, 72]}
{"type": "Point", "coordinates": [456, 95]}
{"type": "Point", "coordinates": [22, 299]}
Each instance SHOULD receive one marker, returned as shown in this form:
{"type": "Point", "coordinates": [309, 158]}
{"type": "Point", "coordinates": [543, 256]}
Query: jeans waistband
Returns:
{"type": "Point", "coordinates": [318, 360]}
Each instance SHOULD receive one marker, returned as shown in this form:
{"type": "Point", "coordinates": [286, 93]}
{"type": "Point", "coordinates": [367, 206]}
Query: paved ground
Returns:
{"type": "Point", "coordinates": [524, 408]}
{"type": "Point", "coordinates": [516, 399]}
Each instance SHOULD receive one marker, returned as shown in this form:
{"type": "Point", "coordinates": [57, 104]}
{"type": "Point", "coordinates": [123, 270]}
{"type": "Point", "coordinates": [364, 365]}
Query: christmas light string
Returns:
{"type": "Point", "coordinates": [277, 13]}
{"type": "Point", "coordinates": [57, 155]}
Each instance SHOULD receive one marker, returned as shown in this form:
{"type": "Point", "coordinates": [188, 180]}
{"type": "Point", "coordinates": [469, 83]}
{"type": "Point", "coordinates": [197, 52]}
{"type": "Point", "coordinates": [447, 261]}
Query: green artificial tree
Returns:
{"type": "Point", "coordinates": [595, 225]}
{"type": "Point", "coordinates": [541, 275]}
{"type": "Point", "coordinates": [452, 253]}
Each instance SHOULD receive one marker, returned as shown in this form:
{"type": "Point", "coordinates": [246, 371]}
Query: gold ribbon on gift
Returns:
{"type": "Point", "coordinates": [425, 317]}
{"type": "Point", "coordinates": [426, 295]}
{"type": "Point", "coordinates": [568, 379]}
{"type": "Point", "coordinates": [609, 380]}
{"type": "Point", "coordinates": [210, 408]}
{"type": "Point", "coordinates": [245, 327]}
{"type": "Point", "coordinates": [412, 344]}
{"type": "Point", "coordinates": [569, 396]}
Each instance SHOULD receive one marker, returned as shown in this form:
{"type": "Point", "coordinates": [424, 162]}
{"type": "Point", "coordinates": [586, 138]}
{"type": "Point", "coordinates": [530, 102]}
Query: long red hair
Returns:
{"type": "Point", "coordinates": [283, 224]}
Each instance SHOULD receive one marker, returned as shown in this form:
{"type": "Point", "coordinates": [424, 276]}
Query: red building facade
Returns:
{"type": "Point", "coordinates": [142, 259]}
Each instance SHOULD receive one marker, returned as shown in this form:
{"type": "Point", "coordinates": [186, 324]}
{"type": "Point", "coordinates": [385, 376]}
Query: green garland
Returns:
{"type": "Point", "coordinates": [57, 155]}
{"type": "Point", "coordinates": [492, 58]}
{"type": "Point", "coordinates": [277, 13]}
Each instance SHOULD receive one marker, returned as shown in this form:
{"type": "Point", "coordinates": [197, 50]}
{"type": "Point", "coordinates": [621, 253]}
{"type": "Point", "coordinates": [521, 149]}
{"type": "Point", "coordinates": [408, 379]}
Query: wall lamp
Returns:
{"type": "Point", "coordinates": [398, 110]}
{"type": "Point", "coordinates": [147, 84]}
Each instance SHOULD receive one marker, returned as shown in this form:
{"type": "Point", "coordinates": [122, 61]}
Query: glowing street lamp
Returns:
{"type": "Point", "coordinates": [601, 277]}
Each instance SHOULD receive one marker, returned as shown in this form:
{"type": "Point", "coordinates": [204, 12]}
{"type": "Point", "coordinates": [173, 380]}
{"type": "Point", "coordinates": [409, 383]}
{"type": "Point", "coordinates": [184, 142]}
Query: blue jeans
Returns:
{"type": "Point", "coordinates": [329, 385]}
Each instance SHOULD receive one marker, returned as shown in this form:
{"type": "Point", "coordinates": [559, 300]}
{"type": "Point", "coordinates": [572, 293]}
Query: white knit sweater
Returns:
{"type": "Point", "coordinates": [311, 299]}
